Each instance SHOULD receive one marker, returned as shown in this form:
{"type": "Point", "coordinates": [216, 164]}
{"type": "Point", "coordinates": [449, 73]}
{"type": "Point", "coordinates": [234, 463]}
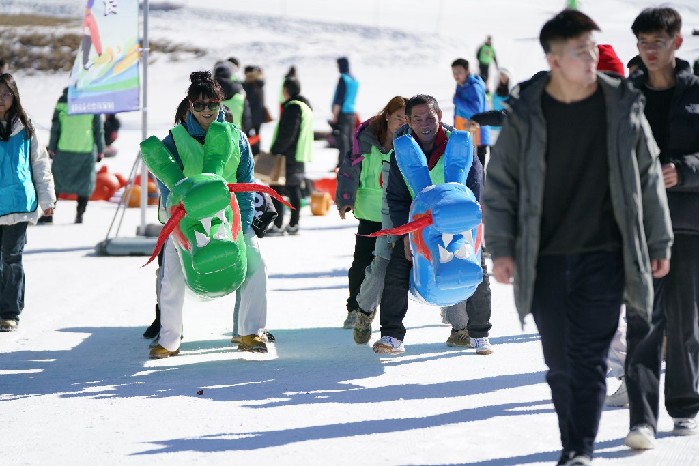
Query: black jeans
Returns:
{"type": "Point", "coordinates": [576, 304]}
{"type": "Point", "coordinates": [294, 195]}
{"type": "Point", "coordinates": [12, 241]}
{"type": "Point", "coordinates": [345, 127]}
{"type": "Point", "coordinates": [363, 255]}
{"type": "Point", "coordinates": [675, 314]}
{"type": "Point", "coordinates": [394, 300]}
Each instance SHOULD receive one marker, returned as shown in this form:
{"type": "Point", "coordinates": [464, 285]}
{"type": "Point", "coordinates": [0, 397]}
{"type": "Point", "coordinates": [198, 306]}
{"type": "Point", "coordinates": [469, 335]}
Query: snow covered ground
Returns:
{"type": "Point", "coordinates": [76, 386]}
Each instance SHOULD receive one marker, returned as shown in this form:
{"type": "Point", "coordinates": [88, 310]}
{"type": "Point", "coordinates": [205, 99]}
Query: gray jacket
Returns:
{"type": "Point", "coordinates": [513, 196]}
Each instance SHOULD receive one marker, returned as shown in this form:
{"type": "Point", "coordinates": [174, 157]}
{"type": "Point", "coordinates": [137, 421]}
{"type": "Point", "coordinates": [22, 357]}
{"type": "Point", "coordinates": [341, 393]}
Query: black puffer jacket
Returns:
{"type": "Point", "coordinates": [287, 138]}
{"type": "Point", "coordinates": [682, 147]}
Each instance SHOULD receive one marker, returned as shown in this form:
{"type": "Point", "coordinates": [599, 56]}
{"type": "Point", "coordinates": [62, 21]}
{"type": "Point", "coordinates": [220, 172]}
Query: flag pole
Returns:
{"type": "Point", "coordinates": [144, 119]}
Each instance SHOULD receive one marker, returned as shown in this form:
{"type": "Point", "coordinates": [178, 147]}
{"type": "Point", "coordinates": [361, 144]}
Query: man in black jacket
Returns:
{"type": "Point", "coordinates": [424, 124]}
{"type": "Point", "coordinates": [672, 110]}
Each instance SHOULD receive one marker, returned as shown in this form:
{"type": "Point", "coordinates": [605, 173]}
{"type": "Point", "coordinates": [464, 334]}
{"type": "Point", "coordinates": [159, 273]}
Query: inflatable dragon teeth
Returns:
{"type": "Point", "coordinates": [204, 216]}
{"type": "Point", "coordinates": [445, 223]}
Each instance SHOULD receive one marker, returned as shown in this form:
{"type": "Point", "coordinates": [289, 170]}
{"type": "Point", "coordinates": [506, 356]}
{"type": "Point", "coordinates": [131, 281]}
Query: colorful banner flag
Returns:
{"type": "Point", "coordinates": [105, 75]}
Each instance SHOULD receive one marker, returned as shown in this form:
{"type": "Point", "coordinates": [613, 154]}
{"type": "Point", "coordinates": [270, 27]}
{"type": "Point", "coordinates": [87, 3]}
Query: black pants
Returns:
{"type": "Point", "coordinates": [294, 195]}
{"type": "Point", "coordinates": [363, 255]}
{"type": "Point", "coordinates": [576, 305]}
{"type": "Point", "coordinates": [477, 309]}
{"type": "Point", "coordinates": [12, 241]}
{"type": "Point", "coordinates": [675, 314]}
{"type": "Point", "coordinates": [481, 152]}
{"type": "Point", "coordinates": [394, 300]}
{"type": "Point", "coordinates": [345, 127]}
{"type": "Point", "coordinates": [484, 72]}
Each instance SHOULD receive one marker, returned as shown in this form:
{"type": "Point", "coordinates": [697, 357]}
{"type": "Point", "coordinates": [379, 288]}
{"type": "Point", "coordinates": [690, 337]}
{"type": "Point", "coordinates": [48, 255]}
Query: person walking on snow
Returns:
{"type": "Point", "coordinates": [485, 56]}
{"type": "Point", "coordinates": [573, 245]}
{"type": "Point", "coordinates": [672, 109]}
{"type": "Point", "coordinates": [360, 188]}
{"type": "Point", "coordinates": [185, 143]}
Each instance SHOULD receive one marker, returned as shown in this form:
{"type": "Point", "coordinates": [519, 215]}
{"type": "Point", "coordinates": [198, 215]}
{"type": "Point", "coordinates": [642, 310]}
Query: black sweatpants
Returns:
{"type": "Point", "coordinates": [675, 314]}
{"type": "Point", "coordinates": [363, 255]}
{"type": "Point", "coordinates": [576, 304]}
{"type": "Point", "coordinates": [294, 195]}
{"type": "Point", "coordinates": [394, 300]}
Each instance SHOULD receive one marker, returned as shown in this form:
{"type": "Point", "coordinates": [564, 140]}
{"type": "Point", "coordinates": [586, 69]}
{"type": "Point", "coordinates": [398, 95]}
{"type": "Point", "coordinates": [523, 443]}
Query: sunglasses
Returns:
{"type": "Point", "coordinates": [199, 106]}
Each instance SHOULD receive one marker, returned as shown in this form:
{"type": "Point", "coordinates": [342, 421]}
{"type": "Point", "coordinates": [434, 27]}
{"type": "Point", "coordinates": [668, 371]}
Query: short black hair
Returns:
{"type": "Point", "coordinates": [234, 61]}
{"type": "Point", "coordinates": [460, 62]}
{"type": "Point", "coordinates": [657, 19]}
{"type": "Point", "coordinates": [635, 61]}
{"type": "Point", "coordinates": [422, 99]}
{"type": "Point", "coordinates": [292, 86]}
{"type": "Point", "coordinates": [566, 25]}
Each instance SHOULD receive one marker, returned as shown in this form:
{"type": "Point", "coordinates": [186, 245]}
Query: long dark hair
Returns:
{"type": "Point", "coordinates": [203, 85]}
{"type": "Point", "coordinates": [16, 110]}
{"type": "Point", "coordinates": [379, 125]}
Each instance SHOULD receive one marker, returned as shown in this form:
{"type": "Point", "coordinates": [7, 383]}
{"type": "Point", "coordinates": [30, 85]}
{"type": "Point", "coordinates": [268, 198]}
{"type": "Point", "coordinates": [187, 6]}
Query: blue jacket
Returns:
{"type": "Point", "coordinates": [469, 99]}
{"type": "Point", "coordinates": [346, 93]}
{"type": "Point", "coordinates": [244, 174]}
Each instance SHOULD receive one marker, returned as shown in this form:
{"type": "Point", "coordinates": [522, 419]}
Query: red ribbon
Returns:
{"type": "Point", "coordinates": [178, 213]}
{"type": "Point", "coordinates": [418, 223]}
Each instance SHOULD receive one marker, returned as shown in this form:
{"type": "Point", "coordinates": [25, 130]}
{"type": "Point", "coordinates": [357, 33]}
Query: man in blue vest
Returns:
{"type": "Point", "coordinates": [343, 108]}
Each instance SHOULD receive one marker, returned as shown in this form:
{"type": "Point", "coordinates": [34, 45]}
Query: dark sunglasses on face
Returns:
{"type": "Point", "coordinates": [198, 106]}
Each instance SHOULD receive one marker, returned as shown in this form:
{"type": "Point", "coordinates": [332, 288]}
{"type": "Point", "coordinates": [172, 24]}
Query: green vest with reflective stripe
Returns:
{"type": "Point", "coordinates": [367, 204]}
{"type": "Point", "coordinates": [192, 153]}
{"type": "Point", "coordinates": [236, 104]}
{"type": "Point", "coordinates": [486, 54]}
{"type": "Point", "coordinates": [304, 144]}
{"type": "Point", "coordinates": [76, 131]}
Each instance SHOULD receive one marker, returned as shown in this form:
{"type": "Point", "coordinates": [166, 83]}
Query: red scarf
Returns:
{"type": "Point", "coordinates": [440, 145]}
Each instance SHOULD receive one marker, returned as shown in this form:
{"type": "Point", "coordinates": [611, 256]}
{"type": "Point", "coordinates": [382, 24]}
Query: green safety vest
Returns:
{"type": "Point", "coordinates": [236, 104]}
{"type": "Point", "coordinates": [304, 144]}
{"type": "Point", "coordinates": [367, 204]}
{"type": "Point", "coordinates": [192, 153]}
{"type": "Point", "coordinates": [486, 54]}
{"type": "Point", "coordinates": [76, 131]}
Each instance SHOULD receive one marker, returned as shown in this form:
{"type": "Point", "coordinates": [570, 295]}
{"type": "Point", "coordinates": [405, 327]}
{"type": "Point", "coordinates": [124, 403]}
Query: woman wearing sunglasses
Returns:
{"type": "Point", "coordinates": [27, 191]}
{"type": "Point", "coordinates": [204, 101]}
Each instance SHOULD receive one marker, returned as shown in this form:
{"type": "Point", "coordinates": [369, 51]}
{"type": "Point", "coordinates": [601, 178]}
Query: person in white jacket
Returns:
{"type": "Point", "coordinates": [26, 191]}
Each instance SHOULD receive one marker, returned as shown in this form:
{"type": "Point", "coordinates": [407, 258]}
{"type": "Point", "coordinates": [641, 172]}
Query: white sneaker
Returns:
{"type": "Point", "coordinates": [684, 426]}
{"type": "Point", "coordinates": [640, 437]}
{"type": "Point", "coordinates": [620, 398]}
{"type": "Point", "coordinates": [389, 345]}
{"type": "Point", "coordinates": [482, 345]}
{"type": "Point", "coordinates": [579, 460]}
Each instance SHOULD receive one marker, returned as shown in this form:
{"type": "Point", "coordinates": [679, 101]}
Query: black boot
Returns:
{"type": "Point", "coordinates": [82, 204]}
{"type": "Point", "coordinates": [45, 219]}
{"type": "Point", "coordinates": [153, 329]}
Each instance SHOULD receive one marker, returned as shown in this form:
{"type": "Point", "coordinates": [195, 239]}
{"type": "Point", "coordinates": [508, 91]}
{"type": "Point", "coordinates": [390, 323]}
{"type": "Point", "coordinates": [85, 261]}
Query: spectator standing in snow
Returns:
{"type": "Point", "coordinates": [27, 190]}
{"type": "Point", "coordinates": [343, 109]}
{"type": "Point", "coordinates": [293, 140]}
{"type": "Point", "coordinates": [76, 145]}
{"type": "Point", "coordinates": [469, 99]}
{"type": "Point", "coordinates": [485, 56]}
{"type": "Point", "coordinates": [253, 85]}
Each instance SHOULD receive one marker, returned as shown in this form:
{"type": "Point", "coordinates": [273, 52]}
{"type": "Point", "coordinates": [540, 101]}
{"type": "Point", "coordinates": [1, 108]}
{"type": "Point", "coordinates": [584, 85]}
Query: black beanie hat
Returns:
{"type": "Point", "coordinates": [343, 64]}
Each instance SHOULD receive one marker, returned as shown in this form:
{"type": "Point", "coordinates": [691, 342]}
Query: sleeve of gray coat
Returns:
{"type": "Point", "coordinates": [41, 174]}
{"type": "Point", "coordinates": [501, 192]}
{"type": "Point", "coordinates": [656, 214]}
